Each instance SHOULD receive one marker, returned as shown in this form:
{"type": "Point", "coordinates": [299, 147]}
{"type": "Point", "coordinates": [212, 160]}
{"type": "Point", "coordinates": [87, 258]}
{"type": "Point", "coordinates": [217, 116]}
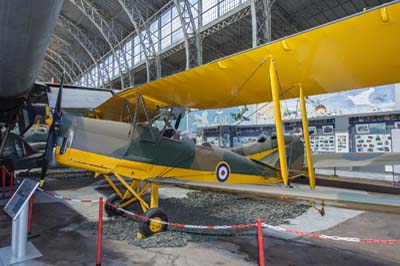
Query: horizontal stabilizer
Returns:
{"type": "Point", "coordinates": [329, 160]}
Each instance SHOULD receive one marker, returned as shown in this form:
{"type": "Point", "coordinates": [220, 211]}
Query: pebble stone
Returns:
{"type": "Point", "coordinates": [201, 208]}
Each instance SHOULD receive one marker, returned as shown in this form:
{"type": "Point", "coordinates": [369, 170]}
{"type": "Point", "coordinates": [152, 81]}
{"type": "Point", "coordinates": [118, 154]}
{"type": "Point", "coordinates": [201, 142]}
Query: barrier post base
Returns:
{"type": "Point", "coordinates": [31, 253]}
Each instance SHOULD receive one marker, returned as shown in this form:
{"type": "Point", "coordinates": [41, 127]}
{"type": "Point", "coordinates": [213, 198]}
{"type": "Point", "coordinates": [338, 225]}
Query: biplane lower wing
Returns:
{"type": "Point", "coordinates": [351, 53]}
{"type": "Point", "coordinates": [329, 160]}
{"type": "Point", "coordinates": [331, 196]}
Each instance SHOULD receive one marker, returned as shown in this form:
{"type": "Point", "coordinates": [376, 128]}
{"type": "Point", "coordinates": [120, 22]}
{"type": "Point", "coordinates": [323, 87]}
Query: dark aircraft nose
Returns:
{"type": "Point", "coordinates": [25, 30]}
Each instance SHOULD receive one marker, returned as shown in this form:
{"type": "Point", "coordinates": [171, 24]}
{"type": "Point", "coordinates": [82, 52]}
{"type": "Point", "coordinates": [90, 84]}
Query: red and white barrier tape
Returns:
{"type": "Point", "coordinates": [336, 238]}
{"type": "Point", "coordinates": [54, 195]}
{"type": "Point", "coordinates": [235, 226]}
{"type": "Point", "coordinates": [264, 225]}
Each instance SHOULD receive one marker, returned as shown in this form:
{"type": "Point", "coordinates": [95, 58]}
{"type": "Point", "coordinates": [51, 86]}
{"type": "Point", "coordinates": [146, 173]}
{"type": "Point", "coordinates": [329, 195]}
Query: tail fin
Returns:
{"type": "Point", "coordinates": [265, 150]}
{"type": "Point", "coordinates": [294, 155]}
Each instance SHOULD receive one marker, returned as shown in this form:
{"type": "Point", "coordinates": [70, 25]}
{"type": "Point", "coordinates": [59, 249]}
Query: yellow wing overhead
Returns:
{"type": "Point", "coordinates": [116, 109]}
{"type": "Point", "coordinates": [356, 52]}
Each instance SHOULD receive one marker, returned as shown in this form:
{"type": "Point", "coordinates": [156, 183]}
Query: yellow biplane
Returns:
{"type": "Point", "coordinates": [129, 139]}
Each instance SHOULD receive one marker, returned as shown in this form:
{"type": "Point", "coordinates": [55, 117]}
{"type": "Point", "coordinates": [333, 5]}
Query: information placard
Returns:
{"type": "Point", "coordinates": [396, 148]}
{"type": "Point", "coordinates": [20, 197]}
{"type": "Point", "coordinates": [395, 139]}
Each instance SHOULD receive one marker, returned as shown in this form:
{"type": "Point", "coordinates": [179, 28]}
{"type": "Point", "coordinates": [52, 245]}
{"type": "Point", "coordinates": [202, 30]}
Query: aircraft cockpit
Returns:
{"type": "Point", "coordinates": [156, 127]}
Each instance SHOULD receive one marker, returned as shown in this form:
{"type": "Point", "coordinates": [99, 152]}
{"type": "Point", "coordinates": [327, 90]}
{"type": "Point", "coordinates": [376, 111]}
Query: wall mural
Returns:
{"type": "Point", "coordinates": [350, 102]}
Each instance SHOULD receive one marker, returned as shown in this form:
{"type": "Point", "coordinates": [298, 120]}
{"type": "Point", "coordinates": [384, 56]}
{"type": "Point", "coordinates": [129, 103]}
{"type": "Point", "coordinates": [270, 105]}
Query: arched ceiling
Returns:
{"type": "Point", "coordinates": [87, 30]}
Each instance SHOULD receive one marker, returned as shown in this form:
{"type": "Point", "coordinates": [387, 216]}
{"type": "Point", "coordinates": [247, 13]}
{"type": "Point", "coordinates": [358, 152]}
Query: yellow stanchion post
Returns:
{"type": "Point", "coordinates": [278, 121]}
{"type": "Point", "coordinates": [306, 136]}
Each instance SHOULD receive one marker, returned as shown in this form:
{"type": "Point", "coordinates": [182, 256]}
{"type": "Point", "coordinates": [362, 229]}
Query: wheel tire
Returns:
{"type": "Point", "coordinates": [111, 211]}
{"type": "Point", "coordinates": [148, 228]}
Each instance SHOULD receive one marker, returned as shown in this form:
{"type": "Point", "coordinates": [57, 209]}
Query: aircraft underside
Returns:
{"type": "Point", "coordinates": [26, 27]}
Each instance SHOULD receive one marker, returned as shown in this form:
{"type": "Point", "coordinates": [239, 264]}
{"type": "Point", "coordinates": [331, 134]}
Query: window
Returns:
{"type": "Point", "coordinates": [166, 30]}
{"type": "Point", "coordinates": [127, 47]}
{"type": "Point", "coordinates": [227, 5]}
{"type": "Point", "coordinates": [212, 9]}
{"type": "Point", "coordinates": [137, 50]}
{"type": "Point", "coordinates": [154, 35]}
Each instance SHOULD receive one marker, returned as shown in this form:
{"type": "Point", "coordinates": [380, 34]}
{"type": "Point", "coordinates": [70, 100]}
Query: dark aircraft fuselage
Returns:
{"type": "Point", "coordinates": [26, 27]}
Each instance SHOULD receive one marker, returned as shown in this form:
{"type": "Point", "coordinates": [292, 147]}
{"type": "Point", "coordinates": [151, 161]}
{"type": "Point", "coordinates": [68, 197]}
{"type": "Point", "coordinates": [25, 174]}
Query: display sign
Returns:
{"type": "Point", "coordinates": [21, 197]}
{"type": "Point", "coordinates": [327, 130]}
{"type": "Point", "coordinates": [342, 142]}
{"type": "Point", "coordinates": [396, 140]}
{"type": "Point", "coordinates": [377, 128]}
{"type": "Point", "coordinates": [373, 143]}
{"type": "Point", "coordinates": [362, 129]}
{"type": "Point", "coordinates": [320, 143]}
{"type": "Point", "coordinates": [396, 148]}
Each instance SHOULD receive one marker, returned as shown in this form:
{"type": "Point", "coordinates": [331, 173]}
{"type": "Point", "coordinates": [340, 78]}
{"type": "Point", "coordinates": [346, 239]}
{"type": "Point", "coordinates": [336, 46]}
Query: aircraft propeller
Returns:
{"type": "Point", "coordinates": [178, 121]}
{"type": "Point", "coordinates": [53, 133]}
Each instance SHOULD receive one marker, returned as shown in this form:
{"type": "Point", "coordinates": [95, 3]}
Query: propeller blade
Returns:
{"type": "Point", "coordinates": [57, 108]}
{"type": "Point", "coordinates": [178, 121]}
{"type": "Point", "coordinates": [53, 134]}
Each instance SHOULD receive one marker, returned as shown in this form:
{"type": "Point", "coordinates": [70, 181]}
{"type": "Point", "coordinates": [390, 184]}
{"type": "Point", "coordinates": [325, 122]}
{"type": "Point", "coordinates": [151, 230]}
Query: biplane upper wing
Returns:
{"type": "Point", "coordinates": [355, 52]}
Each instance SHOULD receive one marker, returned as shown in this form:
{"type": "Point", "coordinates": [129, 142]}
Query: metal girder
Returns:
{"type": "Point", "coordinates": [191, 34]}
{"type": "Point", "coordinates": [50, 75]}
{"type": "Point", "coordinates": [45, 74]}
{"type": "Point", "coordinates": [61, 63]}
{"type": "Point", "coordinates": [60, 68]}
{"type": "Point", "coordinates": [40, 75]}
{"type": "Point", "coordinates": [69, 53]}
{"type": "Point", "coordinates": [88, 46]}
{"type": "Point", "coordinates": [223, 21]}
{"type": "Point", "coordinates": [227, 19]}
{"type": "Point", "coordinates": [153, 65]}
{"type": "Point", "coordinates": [261, 21]}
{"type": "Point", "coordinates": [66, 65]}
{"type": "Point", "coordinates": [50, 68]}
{"type": "Point", "coordinates": [108, 33]}
{"type": "Point", "coordinates": [173, 50]}
{"type": "Point", "coordinates": [53, 72]}
{"type": "Point", "coordinates": [283, 15]}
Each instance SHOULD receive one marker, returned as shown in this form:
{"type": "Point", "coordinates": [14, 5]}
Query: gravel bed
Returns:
{"type": "Point", "coordinates": [58, 173]}
{"type": "Point", "coordinates": [201, 208]}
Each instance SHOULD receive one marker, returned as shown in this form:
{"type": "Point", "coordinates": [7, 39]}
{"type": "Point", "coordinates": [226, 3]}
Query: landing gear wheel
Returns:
{"type": "Point", "coordinates": [322, 211]}
{"type": "Point", "coordinates": [149, 228]}
{"type": "Point", "coordinates": [111, 211]}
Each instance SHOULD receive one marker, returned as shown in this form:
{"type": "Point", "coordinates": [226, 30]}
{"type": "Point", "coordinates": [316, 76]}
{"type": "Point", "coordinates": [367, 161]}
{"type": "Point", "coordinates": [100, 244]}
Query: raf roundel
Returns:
{"type": "Point", "coordinates": [223, 171]}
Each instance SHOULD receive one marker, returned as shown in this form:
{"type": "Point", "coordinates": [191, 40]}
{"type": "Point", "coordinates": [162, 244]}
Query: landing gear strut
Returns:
{"type": "Point", "coordinates": [320, 210]}
{"type": "Point", "coordinates": [110, 210]}
{"type": "Point", "coordinates": [135, 192]}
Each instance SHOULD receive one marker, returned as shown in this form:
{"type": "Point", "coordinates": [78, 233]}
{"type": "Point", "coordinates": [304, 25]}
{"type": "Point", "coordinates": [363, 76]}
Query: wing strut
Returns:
{"type": "Point", "coordinates": [306, 136]}
{"type": "Point", "coordinates": [275, 89]}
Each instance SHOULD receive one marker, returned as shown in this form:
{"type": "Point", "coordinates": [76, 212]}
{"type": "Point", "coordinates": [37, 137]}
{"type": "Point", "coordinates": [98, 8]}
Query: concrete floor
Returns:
{"type": "Point", "coordinates": [62, 245]}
